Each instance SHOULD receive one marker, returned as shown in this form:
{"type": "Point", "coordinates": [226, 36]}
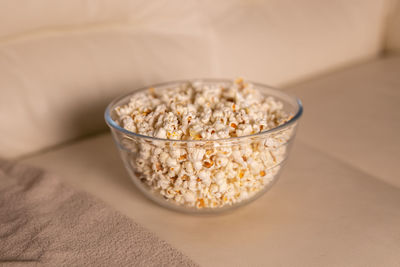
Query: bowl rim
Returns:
{"type": "Point", "coordinates": [113, 124]}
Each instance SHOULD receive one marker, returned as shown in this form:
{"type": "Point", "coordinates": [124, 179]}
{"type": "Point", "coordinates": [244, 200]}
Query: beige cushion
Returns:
{"type": "Point", "coordinates": [326, 210]}
{"type": "Point", "coordinates": [322, 212]}
{"type": "Point", "coordinates": [354, 116]}
{"type": "Point", "coordinates": [58, 72]}
{"type": "Point", "coordinates": [393, 28]}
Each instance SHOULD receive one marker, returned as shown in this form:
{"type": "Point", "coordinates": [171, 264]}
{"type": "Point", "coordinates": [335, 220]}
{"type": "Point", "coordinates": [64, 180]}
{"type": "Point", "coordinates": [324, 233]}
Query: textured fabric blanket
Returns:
{"type": "Point", "coordinates": [44, 222]}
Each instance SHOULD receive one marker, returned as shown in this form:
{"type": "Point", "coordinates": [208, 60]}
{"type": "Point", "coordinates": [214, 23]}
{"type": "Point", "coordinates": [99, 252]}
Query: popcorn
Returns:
{"type": "Point", "coordinates": [208, 174]}
{"type": "Point", "coordinates": [198, 165]}
{"type": "Point", "coordinates": [189, 197]}
{"type": "Point", "coordinates": [161, 133]}
{"type": "Point", "coordinates": [197, 154]}
{"type": "Point", "coordinates": [221, 161]}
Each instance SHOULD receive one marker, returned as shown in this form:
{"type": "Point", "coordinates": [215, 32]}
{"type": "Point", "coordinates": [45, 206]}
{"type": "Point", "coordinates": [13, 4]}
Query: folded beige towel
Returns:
{"type": "Point", "coordinates": [44, 222]}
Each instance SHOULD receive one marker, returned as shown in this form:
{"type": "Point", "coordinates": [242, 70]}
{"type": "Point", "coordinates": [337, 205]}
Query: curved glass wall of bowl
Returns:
{"type": "Point", "coordinates": [232, 171]}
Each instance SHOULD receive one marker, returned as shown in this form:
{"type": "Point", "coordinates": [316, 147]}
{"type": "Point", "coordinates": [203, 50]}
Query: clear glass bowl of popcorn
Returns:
{"type": "Point", "coordinates": [209, 146]}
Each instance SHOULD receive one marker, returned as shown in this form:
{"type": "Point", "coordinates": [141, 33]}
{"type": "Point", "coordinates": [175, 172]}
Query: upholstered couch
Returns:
{"type": "Point", "coordinates": [338, 199]}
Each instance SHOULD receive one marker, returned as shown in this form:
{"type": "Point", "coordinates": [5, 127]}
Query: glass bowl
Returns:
{"type": "Point", "coordinates": [237, 170]}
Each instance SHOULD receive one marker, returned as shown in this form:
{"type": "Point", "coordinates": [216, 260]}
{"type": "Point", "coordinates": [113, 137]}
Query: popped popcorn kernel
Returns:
{"type": "Point", "coordinates": [208, 164]}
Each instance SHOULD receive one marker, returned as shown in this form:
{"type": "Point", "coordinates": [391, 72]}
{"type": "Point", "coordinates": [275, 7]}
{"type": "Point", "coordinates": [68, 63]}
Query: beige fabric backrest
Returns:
{"type": "Point", "coordinates": [61, 62]}
{"type": "Point", "coordinates": [23, 17]}
{"type": "Point", "coordinates": [393, 28]}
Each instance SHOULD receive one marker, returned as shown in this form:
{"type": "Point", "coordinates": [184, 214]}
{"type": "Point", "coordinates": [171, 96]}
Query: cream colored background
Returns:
{"type": "Point", "coordinates": [62, 62]}
{"type": "Point", "coordinates": [337, 202]}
